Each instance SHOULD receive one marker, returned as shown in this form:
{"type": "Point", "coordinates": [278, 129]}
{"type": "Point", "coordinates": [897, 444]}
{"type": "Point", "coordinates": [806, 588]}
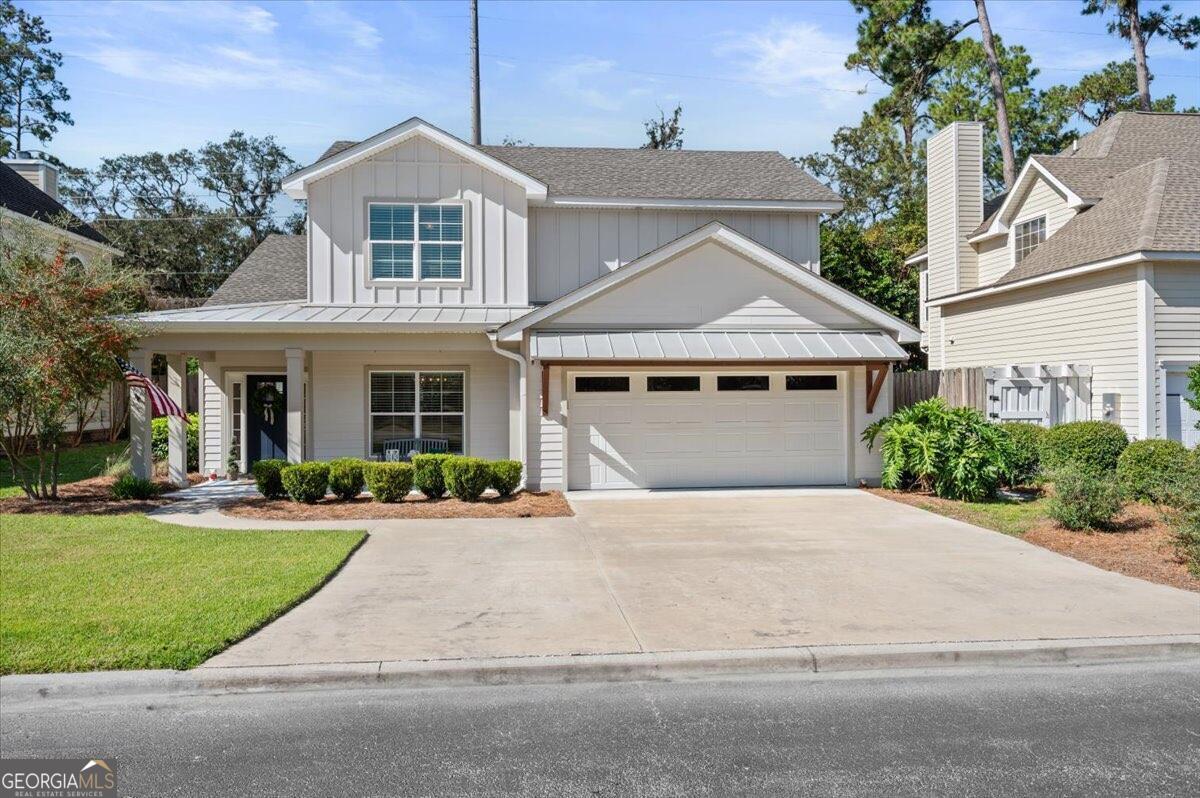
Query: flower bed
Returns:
{"type": "Point", "coordinates": [91, 497]}
{"type": "Point", "coordinates": [549, 504]}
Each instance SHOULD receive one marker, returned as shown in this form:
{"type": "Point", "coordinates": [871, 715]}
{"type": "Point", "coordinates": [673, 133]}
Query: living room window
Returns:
{"type": "Point", "coordinates": [417, 404]}
{"type": "Point", "coordinates": [408, 241]}
{"type": "Point", "coordinates": [1026, 236]}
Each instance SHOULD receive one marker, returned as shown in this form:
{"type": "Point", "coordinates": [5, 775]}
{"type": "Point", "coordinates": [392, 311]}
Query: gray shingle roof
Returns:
{"type": "Point", "coordinates": [18, 195]}
{"type": "Point", "coordinates": [611, 172]}
{"type": "Point", "coordinates": [276, 271]}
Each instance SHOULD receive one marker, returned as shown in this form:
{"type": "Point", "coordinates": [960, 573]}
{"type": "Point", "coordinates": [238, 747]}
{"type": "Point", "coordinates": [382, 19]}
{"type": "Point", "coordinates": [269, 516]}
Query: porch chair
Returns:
{"type": "Point", "coordinates": [401, 449]}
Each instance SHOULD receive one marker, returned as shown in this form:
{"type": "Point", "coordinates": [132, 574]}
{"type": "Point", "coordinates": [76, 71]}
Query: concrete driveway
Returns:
{"type": "Point", "coordinates": [703, 572]}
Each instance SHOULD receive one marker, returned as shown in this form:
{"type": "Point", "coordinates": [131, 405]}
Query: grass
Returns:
{"type": "Point", "coordinates": [1010, 516]}
{"type": "Point", "coordinates": [123, 591]}
{"type": "Point", "coordinates": [81, 462]}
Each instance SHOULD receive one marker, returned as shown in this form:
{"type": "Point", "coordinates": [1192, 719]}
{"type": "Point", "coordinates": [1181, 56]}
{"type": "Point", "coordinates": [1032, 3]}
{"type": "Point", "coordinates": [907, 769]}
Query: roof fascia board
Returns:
{"type": "Point", "coordinates": [716, 232]}
{"type": "Point", "coordinates": [265, 327]}
{"type": "Point", "coordinates": [999, 227]}
{"type": "Point", "coordinates": [295, 183]}
{"type": "Point", "coordinates": [913, 260]}
{"type": "Point", "coordinates": [816, 206]}
{"type": "Point", "coordinates": [1075, 271]}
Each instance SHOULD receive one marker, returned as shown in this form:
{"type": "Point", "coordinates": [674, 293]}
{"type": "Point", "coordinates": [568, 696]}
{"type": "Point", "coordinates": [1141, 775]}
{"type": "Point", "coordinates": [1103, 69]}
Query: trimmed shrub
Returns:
{"type": "Point", "coordinates": [130, 487]}
{"type": "Point", "coordinates": [346, 477]}
{"type": "Point", "coordinates": [1084, 499]}
{"type": "Point", "coordinates": [467, 477]}
{"type": "Point", "coordinates": [506, 475]}
{"type": "Point", "coordinates": [1026, 442]}
{"type": "Point", "coordinates": [954, 452]}
{"type": "Point", "coordinates": [1182, 513]}
{"type": "Point", "coordinates": [1088, 445]}
{"type": "Point", "coordinates": [306, 482]}
{"type": "Point", "coordinates": [160, 448]}
{"type": "Point", "coordinates": [388, 482]}
{"type": "Point", "coordinates": [266, 477]}
{"type": "Point", "coordinates": [1146, 468]}
{"type": "Point", "coordinates": [428, 476]}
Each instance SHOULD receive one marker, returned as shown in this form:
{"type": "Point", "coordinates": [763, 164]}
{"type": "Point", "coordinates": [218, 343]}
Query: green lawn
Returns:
{"type": "Point", "coordinates": [75, 464]}
{"type": "Point", "coordinates": [1003, 515]}
{"type": "Point", "coordinates": [123, 591]}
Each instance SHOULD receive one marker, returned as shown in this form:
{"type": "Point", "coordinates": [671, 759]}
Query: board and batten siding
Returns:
{"type": "Point", "coordinates": [572, 247]}
{"type": "Point", "coordinates": [1091, 319]}
{"type": "Point", "coordinates": [418, 170]}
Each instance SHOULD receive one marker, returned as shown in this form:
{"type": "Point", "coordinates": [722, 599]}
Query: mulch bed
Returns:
{"type": "Point", "coordinates": [550, 504]}
{"type": "Point", "coordinates": [1139, 543]}
{"type": "Point", "coordinates": [90, 497]}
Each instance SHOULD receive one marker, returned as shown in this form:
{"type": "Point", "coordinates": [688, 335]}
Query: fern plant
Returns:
{"type": "Point", "coordinates": [953, 452]}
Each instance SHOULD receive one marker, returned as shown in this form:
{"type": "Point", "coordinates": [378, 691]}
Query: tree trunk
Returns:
{"type": "Point", "coordinates": [1138, 40]}
{"type": "Point", "coordinates": [1002, 129]}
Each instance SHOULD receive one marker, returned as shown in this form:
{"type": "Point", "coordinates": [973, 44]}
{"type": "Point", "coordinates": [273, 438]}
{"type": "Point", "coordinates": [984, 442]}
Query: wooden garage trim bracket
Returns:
{"type": "Point", "coordinates": [876, 374]}
{"type": "Point", "coordinates": [545, 389]}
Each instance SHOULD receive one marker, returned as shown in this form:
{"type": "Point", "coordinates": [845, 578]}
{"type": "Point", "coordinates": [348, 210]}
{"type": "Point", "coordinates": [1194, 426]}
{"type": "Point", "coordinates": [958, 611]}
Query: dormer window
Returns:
{"type": "Point", "coordinates": [410, 241]}
{"type": "Point", "coordinates": [1026, 236]}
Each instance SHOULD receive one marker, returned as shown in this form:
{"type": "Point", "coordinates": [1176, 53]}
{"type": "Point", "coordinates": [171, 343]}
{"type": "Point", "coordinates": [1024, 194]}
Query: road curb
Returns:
{"type": "Point", "coordinates": [37, 689]}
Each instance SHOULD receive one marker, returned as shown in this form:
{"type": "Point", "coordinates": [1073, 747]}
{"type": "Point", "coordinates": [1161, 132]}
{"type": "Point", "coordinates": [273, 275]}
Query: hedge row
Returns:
{"type": "Point", "coordinates": [465, 478]}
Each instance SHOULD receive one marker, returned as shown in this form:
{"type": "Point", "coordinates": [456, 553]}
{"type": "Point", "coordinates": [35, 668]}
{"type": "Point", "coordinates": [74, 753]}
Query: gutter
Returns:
{"type": "Point", "coordinates": [523, 414]}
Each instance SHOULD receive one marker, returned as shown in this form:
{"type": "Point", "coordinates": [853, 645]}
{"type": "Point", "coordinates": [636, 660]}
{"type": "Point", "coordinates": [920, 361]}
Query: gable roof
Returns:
{"type": "Point", "coordinates": [20, 196]}
{"type": "Point", "coordinates": [746, 247]}
{"type": "Point", "coordinates": [276, 271]}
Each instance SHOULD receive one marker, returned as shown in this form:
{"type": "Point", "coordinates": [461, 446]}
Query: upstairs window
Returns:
{"type": "Point", "coordinates": [1027, 236]}
{"type": "Point", "coordinates": [408, 241]}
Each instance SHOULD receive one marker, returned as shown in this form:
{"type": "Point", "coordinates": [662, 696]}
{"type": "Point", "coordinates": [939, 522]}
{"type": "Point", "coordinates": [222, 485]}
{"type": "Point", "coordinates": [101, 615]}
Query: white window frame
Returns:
{"type": "Point", "coordinates": [1015, 228]}
{"type": "Point", "coordinates": [416, 401]}
{"type": "Point", "coordinates": [416, 244]}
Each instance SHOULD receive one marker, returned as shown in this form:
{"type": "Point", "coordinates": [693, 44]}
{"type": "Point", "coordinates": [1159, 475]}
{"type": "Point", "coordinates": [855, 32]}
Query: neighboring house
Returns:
{"type": "Point", "coordinates": [1080, 287]}
{"type": "Point", "coordinates": [611, 317]}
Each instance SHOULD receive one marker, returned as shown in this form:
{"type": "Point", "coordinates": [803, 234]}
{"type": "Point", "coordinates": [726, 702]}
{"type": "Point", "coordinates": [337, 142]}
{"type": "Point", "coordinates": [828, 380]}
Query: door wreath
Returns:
{"type": "Point", "coordinates": [265, 400]}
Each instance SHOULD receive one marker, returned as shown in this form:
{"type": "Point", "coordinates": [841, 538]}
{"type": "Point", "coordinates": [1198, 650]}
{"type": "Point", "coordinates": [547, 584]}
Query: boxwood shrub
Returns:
{"type": "Point", "coordinates": [1084, 498]}
{"type": "Point", "coordinates": [306, 482]}
{"type": "Point", "coordinates": [266, 477]}
{"type": "Point", "coordinates": [346, 477]}
{"type": "Point", "coordinates": [428, 476]}
{"type": "Point", "coordinates": [506, 475]}
{"type": "Point", "coordinates": [1146, 469]}
{"type": "Point", "coordinates": [128, 486]}
{"type": "Point", "coordinates": [388, 482]}
{"type": "Point", "coordinates": [467, 477]}
{"type": "Point", "coordinates": [1026, 442]}
{"type": "Point", "coordinates": [1087, 445]}
{"type": "Point", "coordinates": [160, 447]}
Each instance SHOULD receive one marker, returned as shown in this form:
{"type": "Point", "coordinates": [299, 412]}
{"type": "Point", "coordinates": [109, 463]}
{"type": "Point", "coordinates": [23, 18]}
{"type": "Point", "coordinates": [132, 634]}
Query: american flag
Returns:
{"type": "Point", "coordinates": [160, 403]}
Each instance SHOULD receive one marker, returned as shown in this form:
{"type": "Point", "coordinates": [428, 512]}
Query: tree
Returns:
{"type": "Point", "coordinates": [664, 133]}
{"type": "Point", "coordinates": [185, 219]}
{"type": "Point", "coordinates": [1100, 95]}
{"type": "Point", "coordinates": [30, 92]}
{"type": "Point", "coordinates": [63, 320]}
{"type": "Point", "coordinates": [999, 97]}
{"type": "Point", "coordinates": [1138, 29]}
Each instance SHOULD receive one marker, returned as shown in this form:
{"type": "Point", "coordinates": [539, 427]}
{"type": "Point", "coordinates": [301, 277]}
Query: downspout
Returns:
{"type": "Point", "coordinates": [523, 398]}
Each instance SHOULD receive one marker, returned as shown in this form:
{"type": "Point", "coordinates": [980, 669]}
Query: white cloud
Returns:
{"type": "Point", "coordinates": [578, 81]}
{"type": "Point", "coordinates": [240, 17]}
{"type": "Point", "coordinates": [788, 59]}
{"type": "Point", "coordinates": [335, 20]}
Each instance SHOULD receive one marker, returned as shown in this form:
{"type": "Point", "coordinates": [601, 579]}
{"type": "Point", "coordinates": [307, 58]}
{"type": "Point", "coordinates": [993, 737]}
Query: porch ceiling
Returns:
{"type": "Point", "coordinates": [714, 345]}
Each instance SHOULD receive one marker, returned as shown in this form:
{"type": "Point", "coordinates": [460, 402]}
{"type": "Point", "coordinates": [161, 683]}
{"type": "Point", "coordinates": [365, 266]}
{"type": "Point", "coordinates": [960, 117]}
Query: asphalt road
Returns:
{"type": "Point", "coordinates": [1128, 729]}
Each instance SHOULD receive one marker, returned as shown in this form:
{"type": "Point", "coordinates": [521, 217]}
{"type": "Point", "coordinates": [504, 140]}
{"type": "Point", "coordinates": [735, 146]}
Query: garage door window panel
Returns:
{"type": "Point", "coordinates": [673, 384]}
{"type": "Point", "coordinates": [811, 382]}
{"type": "Point", "coordinates": [601, 385]}
{"type": "Point", "coordinates": [743, 382]}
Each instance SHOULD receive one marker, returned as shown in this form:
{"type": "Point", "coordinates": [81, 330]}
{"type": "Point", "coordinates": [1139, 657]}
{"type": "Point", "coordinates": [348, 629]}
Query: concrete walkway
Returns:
{"type": "Point", "coordinates": [695, 572]}
{"type": "Point", "coordinates": [200, 506]}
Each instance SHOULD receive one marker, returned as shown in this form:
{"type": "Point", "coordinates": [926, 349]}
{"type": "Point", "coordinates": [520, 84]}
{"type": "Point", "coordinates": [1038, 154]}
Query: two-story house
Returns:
{"type": "Point", "coordinates": [611, 317]}
{"type": "Point", "coordinates": [1079, 288]}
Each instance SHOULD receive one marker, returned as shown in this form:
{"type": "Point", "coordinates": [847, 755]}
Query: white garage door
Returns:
{"type": "Point", "coordinates": [705, 429]}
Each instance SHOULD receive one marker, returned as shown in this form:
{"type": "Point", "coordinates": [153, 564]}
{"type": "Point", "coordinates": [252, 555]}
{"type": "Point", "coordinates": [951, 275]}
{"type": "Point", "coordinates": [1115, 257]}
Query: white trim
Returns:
{"type": "Point", "coordinates": [1145, 352]}
{"type": "Point", "coordinates": [1014, 231]}
{"type": "Point", "coordinates": [954, 128]}
{"type": "Point", "coordinates": [1163, 369]}
{"type": "Point", "coordinates": [719, 233]}
{"type": "Point", "coordinates": [1075, 271]}
{"type": "Point", "coordinates": [418, 276]}
{"type": "Point", "coordinates": [295, 184]}
{"type": "Point", "coordinates": [416, 412]}
{"type": "Point", "coordinates": [999, 227]}
{"type": "Point", "coordinates": [913, 260]}
{"type": "Point", "coordinates": [816, 206]}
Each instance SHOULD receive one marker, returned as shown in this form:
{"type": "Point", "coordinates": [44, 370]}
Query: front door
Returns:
{"type": "Point", "coordinates": [266, 418]}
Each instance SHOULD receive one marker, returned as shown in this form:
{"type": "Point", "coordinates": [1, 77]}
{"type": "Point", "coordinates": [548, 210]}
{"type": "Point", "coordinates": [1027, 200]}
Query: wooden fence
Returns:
{"type": "Point", "coordinates": [965, 387]}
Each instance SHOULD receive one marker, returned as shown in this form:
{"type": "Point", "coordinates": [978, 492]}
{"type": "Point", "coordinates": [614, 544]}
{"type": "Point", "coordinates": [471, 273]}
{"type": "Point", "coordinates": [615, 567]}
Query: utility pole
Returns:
{"type": "Point", "coordinates": [476, 126]}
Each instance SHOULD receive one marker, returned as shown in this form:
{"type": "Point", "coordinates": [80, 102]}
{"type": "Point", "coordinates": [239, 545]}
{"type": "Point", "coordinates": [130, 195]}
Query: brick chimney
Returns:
{"type": "Point", "coordinates": [34, 167]}
{"type": "Point", "coordinates": [954, 206]}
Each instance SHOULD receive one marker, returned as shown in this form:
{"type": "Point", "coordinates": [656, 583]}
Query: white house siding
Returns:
{"type": "Point", "coordinates": [339, 391]}
{"type": "Point", "coordinates": [418, 170]}
{"type": "Point", "coordinates": [547, 434]}
{"type": "Point", "coordinates": [573, 247]}
{"type": "Point", "coordinates": [1042, 199]}
{"type": "Point", "coordinates": [212, 402]}
{"type": "Point", "coordinates": [1176, 320]}
{"type": "Point", "coordinates": [931, 338]}
{"type": "Point", "coordinates": [707, 286]}
{"type": "Point", "coordinates": [1091, 319]}
{"type": "Point", "coordinates": [995, 260]}
{"type": "Point", "coordinates": [954, 192]}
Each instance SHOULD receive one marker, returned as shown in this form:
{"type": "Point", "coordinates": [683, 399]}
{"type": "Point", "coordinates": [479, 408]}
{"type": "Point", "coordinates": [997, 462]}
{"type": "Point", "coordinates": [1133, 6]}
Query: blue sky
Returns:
{"type": "Point", "coordinates": [164, 75]}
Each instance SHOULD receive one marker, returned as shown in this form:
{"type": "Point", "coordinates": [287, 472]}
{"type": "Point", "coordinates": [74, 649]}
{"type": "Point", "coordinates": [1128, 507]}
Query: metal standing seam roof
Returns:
{"type": "Point", "coordinates": [282, 314]}
{"type": "Point", "coordinates": [703, 345]}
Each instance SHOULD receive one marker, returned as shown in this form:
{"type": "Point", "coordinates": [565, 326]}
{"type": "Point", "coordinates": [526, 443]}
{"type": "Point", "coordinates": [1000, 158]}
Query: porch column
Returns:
{"type": "Point", "coordinates": [295, 404]}
{"type": "Point", "coordinates": [140, 456]}
{"type": "Point", "coordinates": [176, 426]}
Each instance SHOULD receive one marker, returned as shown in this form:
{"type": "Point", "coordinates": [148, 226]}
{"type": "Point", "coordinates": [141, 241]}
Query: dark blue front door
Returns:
{"type": "Point", "coordinates": [266, 419]}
